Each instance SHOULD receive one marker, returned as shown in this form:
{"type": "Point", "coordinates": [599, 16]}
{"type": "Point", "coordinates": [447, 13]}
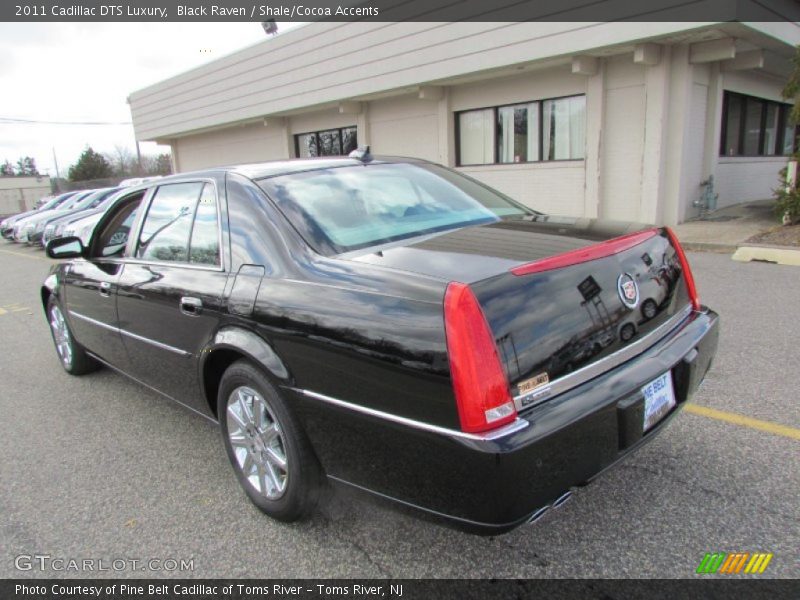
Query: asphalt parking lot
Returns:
{"type": "Point", "coordinates": [99, 467]}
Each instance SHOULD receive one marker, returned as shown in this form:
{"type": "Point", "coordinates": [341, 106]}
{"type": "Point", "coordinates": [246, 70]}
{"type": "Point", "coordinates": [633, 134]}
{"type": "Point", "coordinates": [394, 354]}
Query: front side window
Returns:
{"type": "Point", "coordinates": [529, 132]}
{"type": "Point", "coordinates": [113, 239]}
{"type": "Point", "coordinates": [330, 142]}
{"type": "Point", "coordinates": [341, 209]}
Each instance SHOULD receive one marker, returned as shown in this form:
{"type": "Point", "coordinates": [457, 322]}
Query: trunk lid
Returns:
{"type": "Point", "coordinates": [551, 323]}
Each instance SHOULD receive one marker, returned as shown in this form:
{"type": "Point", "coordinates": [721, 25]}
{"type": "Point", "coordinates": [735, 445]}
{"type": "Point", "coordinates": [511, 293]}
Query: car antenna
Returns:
{"type": "Point", "coordinates": [361, 153]}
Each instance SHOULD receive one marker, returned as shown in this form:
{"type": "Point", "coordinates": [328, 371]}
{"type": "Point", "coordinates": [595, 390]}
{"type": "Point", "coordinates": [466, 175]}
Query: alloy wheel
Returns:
{"type": "Point", "coordinates": [257, 441]}
{"type": "Point", "coordinates": [61, 336]}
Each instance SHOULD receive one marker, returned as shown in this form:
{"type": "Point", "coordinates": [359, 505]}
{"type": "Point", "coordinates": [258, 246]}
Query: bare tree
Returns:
{"type": "Point", "coordinates": [159, 164]}
{"type": "Point", "coordinates": [123, 161]}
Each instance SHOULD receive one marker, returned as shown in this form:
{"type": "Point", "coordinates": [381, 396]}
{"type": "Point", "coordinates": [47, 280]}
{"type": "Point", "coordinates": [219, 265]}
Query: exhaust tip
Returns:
{"type": "Point", "coordinates": [562, 499]}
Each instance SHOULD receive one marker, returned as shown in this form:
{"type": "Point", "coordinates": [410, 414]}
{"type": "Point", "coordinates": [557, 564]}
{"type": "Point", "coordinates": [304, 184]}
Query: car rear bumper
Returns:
{"type": "Point", "coordinates": [493, 485]}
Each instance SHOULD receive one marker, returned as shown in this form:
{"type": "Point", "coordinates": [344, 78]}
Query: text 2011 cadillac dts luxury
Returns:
{"type": "Point", "coordinates": [389, 325]}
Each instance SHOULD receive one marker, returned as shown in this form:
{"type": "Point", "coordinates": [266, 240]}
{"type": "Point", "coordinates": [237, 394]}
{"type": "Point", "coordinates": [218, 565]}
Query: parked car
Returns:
{"type": "Point", "coordinates": [25, 228]}
{"type": "Point", "coordinates": [377, 323]}
{"type": "Point", "coordinates": [95, 203]}
{"type": "Point", "coordinates": [134, 181]}
{"type": "Point", "coordinates": [43, 200]}
{"type": "Point", "coordinates": [89, 200]}
{"type": "Point", "coordinates": [7, 224]}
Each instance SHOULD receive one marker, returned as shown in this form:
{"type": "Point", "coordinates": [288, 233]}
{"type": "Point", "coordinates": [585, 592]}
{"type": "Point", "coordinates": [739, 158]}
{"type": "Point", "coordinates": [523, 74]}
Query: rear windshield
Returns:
{"type": "Point", "coordinates": [342, 209]}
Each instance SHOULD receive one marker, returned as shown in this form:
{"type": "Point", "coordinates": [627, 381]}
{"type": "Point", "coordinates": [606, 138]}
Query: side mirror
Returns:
{"type": "Point", "coordinates": [66, 247]}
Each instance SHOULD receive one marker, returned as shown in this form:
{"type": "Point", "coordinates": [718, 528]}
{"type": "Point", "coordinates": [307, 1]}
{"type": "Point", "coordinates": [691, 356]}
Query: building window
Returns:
{"type": "Point", "coordinates": [517, 133]}
{"type": "Point", "coordinates": [331, 142]}
{"type": "Point", "coordinates": [756, 127]}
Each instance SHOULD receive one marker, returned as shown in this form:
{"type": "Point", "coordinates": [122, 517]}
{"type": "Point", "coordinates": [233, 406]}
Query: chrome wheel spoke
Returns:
{"type": "Point", "coordinates": [263, 480]}
{"type": "Point", "coordinates": [239, 440]}
{"type": "Point", "coordinates": [275, 458]}
{"type": "Point", "coordinates": [277, 483]}
{"type": "Point", "coordinates": [258, 412]}
{"type": "Point", "coordinates": [247, 413]}
{"type": "Point", "coordinates": [270, 434]}
{"type": "Point", "coordinates": [248, 465]}
{"type": "Point", "coordinates": [237, 418]}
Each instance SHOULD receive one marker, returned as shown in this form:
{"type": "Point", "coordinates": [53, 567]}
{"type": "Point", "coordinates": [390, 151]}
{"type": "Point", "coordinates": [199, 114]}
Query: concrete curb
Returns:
{"type": "Point", "coordinates": [782, 255]}
{"type": "Point", "coordinates": [708, 247]}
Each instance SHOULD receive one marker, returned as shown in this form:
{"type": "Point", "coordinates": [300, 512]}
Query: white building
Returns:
{"type": "Point", "coordinates": [618, 120]}
{"type": "Point", "coordinates": [20, 193]}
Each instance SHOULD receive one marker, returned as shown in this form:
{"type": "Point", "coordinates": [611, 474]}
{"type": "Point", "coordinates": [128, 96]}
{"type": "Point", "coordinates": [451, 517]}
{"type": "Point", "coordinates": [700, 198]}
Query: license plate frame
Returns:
{"type": "Point", "coordinates": [659, 400]}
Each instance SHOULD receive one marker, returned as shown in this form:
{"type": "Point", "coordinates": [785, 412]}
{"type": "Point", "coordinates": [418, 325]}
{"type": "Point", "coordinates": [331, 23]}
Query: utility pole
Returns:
{"type": "Point", "coordinates": [55, 160]}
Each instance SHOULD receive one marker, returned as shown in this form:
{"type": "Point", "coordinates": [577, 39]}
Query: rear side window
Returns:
{"type": "Point", "coordinates": [204, 244]}
{"type": "Point", "coordinates": [181, 225]}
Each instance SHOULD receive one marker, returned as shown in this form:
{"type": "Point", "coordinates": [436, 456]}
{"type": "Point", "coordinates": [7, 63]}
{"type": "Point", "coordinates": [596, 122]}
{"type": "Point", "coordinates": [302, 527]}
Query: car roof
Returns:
{"type": "Point", "coordinates": [286, 167]}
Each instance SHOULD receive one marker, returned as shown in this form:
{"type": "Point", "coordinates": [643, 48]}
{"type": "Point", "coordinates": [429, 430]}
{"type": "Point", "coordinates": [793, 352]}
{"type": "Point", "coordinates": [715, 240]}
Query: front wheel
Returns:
{"type": "Point", "coordinates": [268, 449]}
{"type": "Point", "coordinates": [73, 357]}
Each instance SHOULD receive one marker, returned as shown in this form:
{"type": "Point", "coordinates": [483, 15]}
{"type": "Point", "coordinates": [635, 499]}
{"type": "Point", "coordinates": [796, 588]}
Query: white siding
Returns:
{"type": "Point", "coordinates": [323, 63]}
{"type": "Point", "coordinates": [746, 179]}
{"type": "Point", "coordinates": [319, 121]}
{"type": "Point", "coordinates": [230, 146]}
{"type": "Point", "coordinates": [694, 146]}
{"type": "Point", "coordinates": [404, 126]}
{"type": "Point", "coordinates": [551, 187]}
{"type": "Point", "coordinates": [623, 140]}
{"type": "Point", "coordinates": [521, 87]}
{"type": "Point", "coordinates": [18, 194]}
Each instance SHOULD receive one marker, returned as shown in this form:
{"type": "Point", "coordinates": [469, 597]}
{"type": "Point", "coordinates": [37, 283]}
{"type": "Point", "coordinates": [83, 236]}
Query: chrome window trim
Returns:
{"type": "Point", "coordinates": [166, 263]}
{"type": "Point", "coordinates": [590, 371]}
{"type": "Point", "coordinates": [129, 334]}
{"type": "Point", "coordinates": [500, 432]}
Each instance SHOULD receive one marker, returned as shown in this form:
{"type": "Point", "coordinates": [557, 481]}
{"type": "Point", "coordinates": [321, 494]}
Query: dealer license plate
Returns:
{"type": "Point", "coordinates": [659, 398]}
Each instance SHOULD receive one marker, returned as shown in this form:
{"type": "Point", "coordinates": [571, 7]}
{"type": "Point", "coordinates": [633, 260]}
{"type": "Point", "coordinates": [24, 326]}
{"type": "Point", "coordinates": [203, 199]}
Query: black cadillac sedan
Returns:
{"type": "Point", "coordinates": [388, 325]}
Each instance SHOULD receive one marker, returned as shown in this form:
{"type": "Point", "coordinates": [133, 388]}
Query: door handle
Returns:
{"type": "Point", "coordinates": [191, 306]}
{"type": "Point", "coordinates": [105, 289]}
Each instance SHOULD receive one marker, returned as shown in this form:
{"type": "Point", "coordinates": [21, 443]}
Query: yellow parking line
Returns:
{"type": "Point", "coordinates": [24, 255]}
{"type": "Point", "coordinates": [721, 415]}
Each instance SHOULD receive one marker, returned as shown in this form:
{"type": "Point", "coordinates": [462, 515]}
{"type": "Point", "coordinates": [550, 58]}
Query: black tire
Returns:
{"type": "Point", "coordinates": [302, 476]}
{"type": "Point", "coordinates": [71, 354]}
{"type": "Point", "coordinates": [627, 332]}
{"type": "Point", "coordinates": [649, 309]}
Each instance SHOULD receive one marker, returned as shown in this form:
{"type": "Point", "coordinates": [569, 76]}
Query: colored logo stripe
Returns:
{"type": "Point", "coordinates": [734, 563]}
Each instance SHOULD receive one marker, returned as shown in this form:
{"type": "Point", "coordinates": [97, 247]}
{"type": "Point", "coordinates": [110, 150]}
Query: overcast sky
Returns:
{"type": "Point", "coordinates": [85, 71]}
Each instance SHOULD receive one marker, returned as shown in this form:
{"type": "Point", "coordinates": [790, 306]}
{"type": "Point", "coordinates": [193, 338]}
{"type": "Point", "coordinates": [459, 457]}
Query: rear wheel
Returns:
{"type": "Point", "coordinates": [267, 447]}
{"type": "Point", "coordinates": [71, 354]}
{"type": "Point", "coordinates": [649, 309]}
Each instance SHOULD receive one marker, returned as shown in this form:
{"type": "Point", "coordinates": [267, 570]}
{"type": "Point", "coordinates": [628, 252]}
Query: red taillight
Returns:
{"type": "Point", "coordinates": [479, 383]}
{"type": "Point", "coordinates": [582, 255]}
{"type": "Point", "coordinates": [691, 288]}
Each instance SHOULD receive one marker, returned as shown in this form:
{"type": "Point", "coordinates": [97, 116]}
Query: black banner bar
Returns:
{"type": "Point", "coordinates": [401, 10]}
{"type": "Point", "coordinates": [405, 589]}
